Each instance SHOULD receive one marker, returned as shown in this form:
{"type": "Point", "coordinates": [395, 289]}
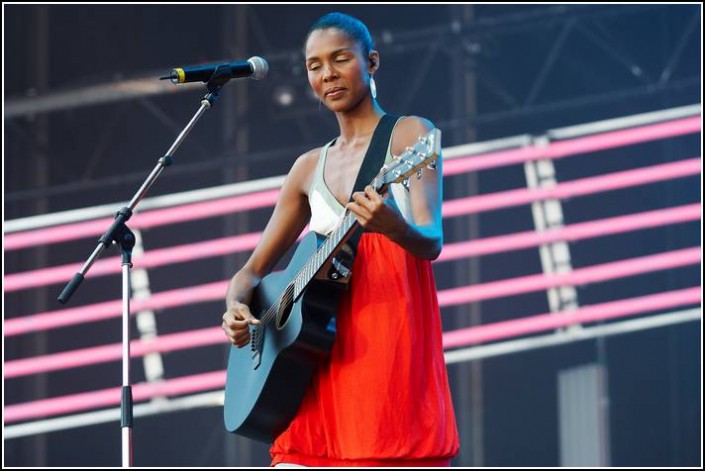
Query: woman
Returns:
{"type": "Point", "coordinates": [382, 396]}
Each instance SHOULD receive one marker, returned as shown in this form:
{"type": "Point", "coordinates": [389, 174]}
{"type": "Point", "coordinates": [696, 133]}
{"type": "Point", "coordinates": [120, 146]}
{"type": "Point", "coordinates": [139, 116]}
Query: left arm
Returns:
{"type": "Point", "coordinates": [422, 237]}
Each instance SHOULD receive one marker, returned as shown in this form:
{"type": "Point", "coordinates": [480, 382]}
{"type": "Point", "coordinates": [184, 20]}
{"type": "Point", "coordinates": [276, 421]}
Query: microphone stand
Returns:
{"type": "Point", "coordinates": [120, 234]}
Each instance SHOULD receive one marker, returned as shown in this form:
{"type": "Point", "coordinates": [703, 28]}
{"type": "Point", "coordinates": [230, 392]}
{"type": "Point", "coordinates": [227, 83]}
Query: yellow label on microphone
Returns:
{"type": "Point", "coordinates": [181, 76]}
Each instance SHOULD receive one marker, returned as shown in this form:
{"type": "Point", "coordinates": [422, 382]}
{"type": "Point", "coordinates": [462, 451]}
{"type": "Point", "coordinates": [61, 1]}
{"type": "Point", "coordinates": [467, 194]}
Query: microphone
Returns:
{"type": "Point", "coordinates": [254, 67]}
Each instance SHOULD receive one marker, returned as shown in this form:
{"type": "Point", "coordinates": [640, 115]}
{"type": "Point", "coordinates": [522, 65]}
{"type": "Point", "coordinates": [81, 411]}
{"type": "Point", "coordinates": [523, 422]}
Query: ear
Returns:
{"type": "Point", "coordinates": [374, 61]}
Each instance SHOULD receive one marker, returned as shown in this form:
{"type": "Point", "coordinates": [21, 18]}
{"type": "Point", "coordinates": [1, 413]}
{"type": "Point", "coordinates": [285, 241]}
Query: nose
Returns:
{"type": "Point", "coordinates": [329, 72]}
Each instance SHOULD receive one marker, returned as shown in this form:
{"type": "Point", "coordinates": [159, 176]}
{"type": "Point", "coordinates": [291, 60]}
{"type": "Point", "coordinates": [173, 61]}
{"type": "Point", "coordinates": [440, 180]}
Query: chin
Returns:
{"type": "Point", "coordinates": [338, 106]}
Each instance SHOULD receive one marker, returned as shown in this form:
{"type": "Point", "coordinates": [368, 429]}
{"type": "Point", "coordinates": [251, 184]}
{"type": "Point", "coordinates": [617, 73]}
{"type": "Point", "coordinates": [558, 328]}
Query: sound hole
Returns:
{"type": "Point", "coordinates": [285, 306]}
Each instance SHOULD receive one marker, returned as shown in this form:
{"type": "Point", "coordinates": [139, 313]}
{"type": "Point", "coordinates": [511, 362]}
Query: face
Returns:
{"type": "Point", "coordinates": [337, 69]}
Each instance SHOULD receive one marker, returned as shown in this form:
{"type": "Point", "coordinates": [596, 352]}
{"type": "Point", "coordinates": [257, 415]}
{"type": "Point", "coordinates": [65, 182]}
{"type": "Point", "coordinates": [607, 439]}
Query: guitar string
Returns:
{"type": "Point", "coordinates": [272, 311]}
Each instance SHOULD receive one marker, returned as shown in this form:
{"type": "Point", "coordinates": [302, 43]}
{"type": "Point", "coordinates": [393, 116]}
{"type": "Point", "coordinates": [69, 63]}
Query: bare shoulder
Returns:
{"type": "Point", "coordinates": [409, 129]}
{"type": "Point", "coordinates": [307, 160]}
{"type": "Point", "coordinates": [302, 171]}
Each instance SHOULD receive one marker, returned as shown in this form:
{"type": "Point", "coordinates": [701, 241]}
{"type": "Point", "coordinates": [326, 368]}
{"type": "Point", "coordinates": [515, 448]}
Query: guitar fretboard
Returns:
{"type": "Point", "coordinates": [328, 247]}
{"type": "Point", "coordinates": [426, 148]}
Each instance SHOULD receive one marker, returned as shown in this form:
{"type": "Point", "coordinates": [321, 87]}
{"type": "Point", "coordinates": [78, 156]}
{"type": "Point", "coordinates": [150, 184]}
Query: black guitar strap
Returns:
{"type": "Point", "coordinates": [376, 153]}
{"type": "Point", "coordinates": [371, 165]}
{"type": "Point", "coordinates": [373, 162]}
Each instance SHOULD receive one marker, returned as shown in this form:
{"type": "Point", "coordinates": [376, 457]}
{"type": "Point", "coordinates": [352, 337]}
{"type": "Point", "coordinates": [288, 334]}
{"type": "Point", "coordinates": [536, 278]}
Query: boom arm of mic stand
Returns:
{"type": "Point", "coordinates": [214, 85]}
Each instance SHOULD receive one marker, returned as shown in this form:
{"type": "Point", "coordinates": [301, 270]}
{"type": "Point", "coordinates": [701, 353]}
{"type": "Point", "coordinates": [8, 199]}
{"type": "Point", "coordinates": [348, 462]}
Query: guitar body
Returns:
{"type": "Point", "coordinates": [263, 390]}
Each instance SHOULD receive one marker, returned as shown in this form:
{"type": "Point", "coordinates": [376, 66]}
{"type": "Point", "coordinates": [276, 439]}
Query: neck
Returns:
{"type": "Point", "coordinates": [359, 122]}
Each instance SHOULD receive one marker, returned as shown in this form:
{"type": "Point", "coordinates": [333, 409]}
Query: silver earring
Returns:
{"type": "Point", "coordinates": [373, 88]}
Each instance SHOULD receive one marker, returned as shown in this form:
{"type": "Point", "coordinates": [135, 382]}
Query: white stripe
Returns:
{"type": "Point", "coordinates": [487, 147]}
{"type": "Point", "coordinates": [157, 202]}
{"type": "Point", "coordinates": [563, 337]}
{"type": "Point", "coordinates": [210, 399]}
{"type": "Point", "coordinates": [622, 123]}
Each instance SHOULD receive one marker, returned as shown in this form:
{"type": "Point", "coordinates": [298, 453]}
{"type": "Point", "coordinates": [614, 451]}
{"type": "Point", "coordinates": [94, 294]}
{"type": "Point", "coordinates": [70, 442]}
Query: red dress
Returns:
{"type": "Point", "coordinates": [382, 397]}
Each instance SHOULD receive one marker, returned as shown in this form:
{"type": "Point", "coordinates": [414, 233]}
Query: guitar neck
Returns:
{"type": "Point", "coordinates": [331, 245]}
{"type": "Point", "coordinates": [424, 151]}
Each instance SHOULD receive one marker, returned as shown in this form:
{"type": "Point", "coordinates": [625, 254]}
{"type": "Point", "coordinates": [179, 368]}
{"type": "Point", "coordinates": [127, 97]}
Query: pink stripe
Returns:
{"type": "Point", "coordinates": [585, 186]}
{"type": "Point", "coordinates": [473, 335]}
{"type": "Point", "coordinates": [110, 309]}
{"type": "Point", "coordinates": [457, 207]}
{"type": "Point", "coordinates": [574, 232]}
{"type": "Point", "coordinates": [565, 148]}
{"type": "Point", "coordinates": [474, 248]}
{"type": "Point", "coordinates": [625, 137]}
{"type": "Point", "coordinates": [268, 198]}
{"type": "Point", "coordinates": [449, 297]}
{"type": "Point", "coordinates": [597, 312]}
{"type": "Point", "coordinates": [464, 294]}
{"type": "Point", "coordinates": [474, 163]}
{"type": "Point", "coordinates": [451, 251]}
{"type": "Point", "coordinates": [144, 220]}
{"type": "Point", "coordinates": [111, 397]}
{"type": "Point", "coordinates": [105, 353]}
{"type": "Point", "coordinates": [596, 273]}
{"type": "Point", "coordinates": [153, 258]}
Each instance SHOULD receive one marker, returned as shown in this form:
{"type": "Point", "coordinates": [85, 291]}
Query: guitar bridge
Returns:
{"type": "Point", "coordinates": [338, 270]}
{"type": "Point", "coordinates": [340, 265]}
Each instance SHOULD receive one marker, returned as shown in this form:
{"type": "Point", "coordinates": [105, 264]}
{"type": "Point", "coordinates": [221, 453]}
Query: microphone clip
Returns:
{"type": "Point", "coordinates": [219, 78]}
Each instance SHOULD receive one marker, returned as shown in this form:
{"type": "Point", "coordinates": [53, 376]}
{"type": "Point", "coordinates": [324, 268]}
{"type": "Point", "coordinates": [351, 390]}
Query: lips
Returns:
{"type": "Point", "coordinates": [334, 91]}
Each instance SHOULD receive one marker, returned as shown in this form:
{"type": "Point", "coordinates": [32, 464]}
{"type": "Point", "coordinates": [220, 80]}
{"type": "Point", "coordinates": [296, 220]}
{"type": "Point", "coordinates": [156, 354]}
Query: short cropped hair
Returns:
{"type": "Point", "coordinates": [351, 26]}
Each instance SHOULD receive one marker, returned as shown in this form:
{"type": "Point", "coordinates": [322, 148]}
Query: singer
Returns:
{"type": "Point", "coordinates": [381, 398]}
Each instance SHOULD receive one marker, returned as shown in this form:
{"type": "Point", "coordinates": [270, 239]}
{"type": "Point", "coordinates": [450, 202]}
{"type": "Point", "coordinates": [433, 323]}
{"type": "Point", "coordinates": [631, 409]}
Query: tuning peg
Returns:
{"type": "Point", "coordinates": [419, 174]}
{"type": "Point", "coordinates": [406, 183]}
{"type": "Point", "coordinates": [410, 150]}
{"type": "Point", "coordinates": [432, 165]}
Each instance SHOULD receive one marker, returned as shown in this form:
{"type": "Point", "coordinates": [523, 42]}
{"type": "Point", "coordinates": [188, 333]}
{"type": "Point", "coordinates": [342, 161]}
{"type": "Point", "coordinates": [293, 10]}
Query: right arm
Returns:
{"type": "Point", "coordinates": [291, 213]}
